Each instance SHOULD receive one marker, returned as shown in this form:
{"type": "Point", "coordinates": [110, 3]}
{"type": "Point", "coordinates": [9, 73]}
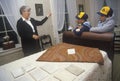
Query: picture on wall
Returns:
{"type": "Point", "coordinates": [81, 7]}
{"type": "Point", "coordinates": [39, 9]}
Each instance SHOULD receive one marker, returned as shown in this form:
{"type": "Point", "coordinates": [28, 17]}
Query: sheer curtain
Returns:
{"type": "Point", "coordinates": [72, 11]}
{"type": "Point", "coordinates": [11, 10]}
{"type": "Point", "coordinates": [58, 16]}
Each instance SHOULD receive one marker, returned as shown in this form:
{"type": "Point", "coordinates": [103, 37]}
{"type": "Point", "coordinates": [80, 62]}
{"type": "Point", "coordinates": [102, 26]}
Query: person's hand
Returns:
{"type": "Point", "coordinates": [49, 15]}
{"type": "Point", "coordinates": [77, 30]}
{"type": "Point", "coordinates": [36, 37]}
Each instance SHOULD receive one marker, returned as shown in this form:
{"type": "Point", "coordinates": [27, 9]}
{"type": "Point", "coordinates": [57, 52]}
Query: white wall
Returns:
{"type": "Point", "coordinates": [92, 7]}
{"type": "Point", "coordinates": [116, 6]}
{"type": "Point", "coordinates": [80, 2]}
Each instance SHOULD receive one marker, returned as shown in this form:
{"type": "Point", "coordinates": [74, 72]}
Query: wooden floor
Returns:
{"type": "Point", "coordinates": [116, 67]}
{"type": "Point", "coordinates": [116, 62]}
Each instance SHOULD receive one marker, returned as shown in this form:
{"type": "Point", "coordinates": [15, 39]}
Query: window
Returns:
{"type": "Point", "coordinates": [6, 29]}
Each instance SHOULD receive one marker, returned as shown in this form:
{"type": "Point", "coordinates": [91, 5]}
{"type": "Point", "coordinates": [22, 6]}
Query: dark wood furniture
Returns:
{"type": "Point", "coordinates": [103, 41]}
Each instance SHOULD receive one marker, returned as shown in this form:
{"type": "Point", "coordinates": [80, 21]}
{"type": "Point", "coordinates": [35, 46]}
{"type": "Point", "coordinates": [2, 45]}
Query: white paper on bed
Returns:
{"type": "Point", "coordinates": [24, 78]}
{"type": "Point", "coordinates": [28, 67]}
{"type": "Point", "coordinates": [38, 74]}
{"type": "Point", "coordinates": [64, 75]}
{"type": "Point", "coordinates": [50, 68]}
{"type": "Point", "coordinates": [17, 72]}
{"type": "Point", "coordinates": [75, 69]}
{"type": "Point", "coordinates": [51, 79]}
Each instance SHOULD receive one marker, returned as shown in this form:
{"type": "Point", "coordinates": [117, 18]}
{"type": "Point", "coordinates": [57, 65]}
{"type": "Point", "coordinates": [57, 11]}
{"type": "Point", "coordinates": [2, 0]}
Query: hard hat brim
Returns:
{"type": "Point", "coordinates": [78, 18]}
{"type": "Point", "coordinates": [100, 14]}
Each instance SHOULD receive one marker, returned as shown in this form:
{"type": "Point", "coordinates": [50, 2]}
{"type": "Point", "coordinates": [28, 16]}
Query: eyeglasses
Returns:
{"type": "Point", "coordinates": [27, 11]}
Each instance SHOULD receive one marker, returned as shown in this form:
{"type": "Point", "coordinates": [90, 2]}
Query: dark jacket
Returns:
{"type": "Point", "coordinates": [85, 27]}
{"type": "Point", "coordinates": [29, 45]}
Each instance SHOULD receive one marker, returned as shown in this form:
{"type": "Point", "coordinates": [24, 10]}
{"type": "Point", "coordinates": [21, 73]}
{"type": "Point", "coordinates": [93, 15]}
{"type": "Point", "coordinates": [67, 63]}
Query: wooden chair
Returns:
{"type": "Point", "coordinates": [45, 41]}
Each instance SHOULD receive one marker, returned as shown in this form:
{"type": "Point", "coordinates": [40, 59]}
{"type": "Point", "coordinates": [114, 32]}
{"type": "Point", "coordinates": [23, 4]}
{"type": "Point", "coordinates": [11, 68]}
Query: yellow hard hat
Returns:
{"type": "Point", "coordinates": [82, 15]}
{"type": "Point", "coordinates": [106, 11]}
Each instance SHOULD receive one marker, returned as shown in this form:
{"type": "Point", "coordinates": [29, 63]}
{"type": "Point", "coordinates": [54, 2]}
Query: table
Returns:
{"type": "Point", "coordinates": [28, 69]}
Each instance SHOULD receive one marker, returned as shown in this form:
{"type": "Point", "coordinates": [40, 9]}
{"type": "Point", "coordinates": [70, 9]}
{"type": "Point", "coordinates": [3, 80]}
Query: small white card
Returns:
{"type": "Point", "coordinates": [71, 51]}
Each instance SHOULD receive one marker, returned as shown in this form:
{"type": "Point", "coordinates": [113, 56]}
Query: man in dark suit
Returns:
{"type": "Point", "coordinates": [27, 30]}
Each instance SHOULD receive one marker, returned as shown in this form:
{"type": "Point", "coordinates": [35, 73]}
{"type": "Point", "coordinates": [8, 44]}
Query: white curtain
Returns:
{"type": "Point", "coordinates": [58, 16]}
{"type": "Point", "coordinates": [11, 10]}
{"type": "Point", "coordinates": [58, 7]}
{"type": "Point", "coordinates": [72, 11]}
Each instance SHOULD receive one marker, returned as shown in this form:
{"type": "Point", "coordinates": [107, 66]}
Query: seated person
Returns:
{"type": "Point", "coordinates": [106, 22]}
{"type": "Point", "coordinates": [83, 24]}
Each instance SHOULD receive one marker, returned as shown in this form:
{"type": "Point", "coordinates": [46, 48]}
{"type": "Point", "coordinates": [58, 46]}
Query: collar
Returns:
{"type": "Point", "coordinates": [26, 19]}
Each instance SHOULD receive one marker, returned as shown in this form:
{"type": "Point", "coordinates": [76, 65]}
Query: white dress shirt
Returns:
{"type": "Point", "coordinates": [29, 22]}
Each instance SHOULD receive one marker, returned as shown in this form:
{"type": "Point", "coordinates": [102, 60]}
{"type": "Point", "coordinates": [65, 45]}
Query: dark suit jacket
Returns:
{"type": "Point", "coordinates": [29, 44]}
{"type": "Point", "coordinates": [83, 29]}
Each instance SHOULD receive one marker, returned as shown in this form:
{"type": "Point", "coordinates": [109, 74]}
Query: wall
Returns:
{"type": "Point", "coordinates": [116, 7]}
{"type": "Point", "coordinates": [11, 55]}
{"type": "Point", "coordinates": [91, 7]}
{"type": "Point", "coordinates": [80, 2]}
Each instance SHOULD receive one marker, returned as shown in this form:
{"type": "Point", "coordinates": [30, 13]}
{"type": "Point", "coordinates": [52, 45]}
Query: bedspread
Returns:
{"type": "Point", "coordinates": [28, 69]}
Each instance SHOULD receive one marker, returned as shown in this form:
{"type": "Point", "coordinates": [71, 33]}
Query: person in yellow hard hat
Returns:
{"type": "Point", "coordinates": [106, 22]}
{"type": "Point", "coordinates": [83, 24]}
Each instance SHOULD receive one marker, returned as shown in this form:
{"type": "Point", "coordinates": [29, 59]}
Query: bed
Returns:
{"type": "Point", "coordinates": [28, 69]}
